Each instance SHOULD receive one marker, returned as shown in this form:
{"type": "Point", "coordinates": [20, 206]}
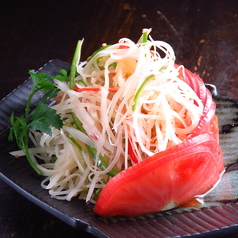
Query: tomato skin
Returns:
{"type": "Point", "coordinates": [175, 175]}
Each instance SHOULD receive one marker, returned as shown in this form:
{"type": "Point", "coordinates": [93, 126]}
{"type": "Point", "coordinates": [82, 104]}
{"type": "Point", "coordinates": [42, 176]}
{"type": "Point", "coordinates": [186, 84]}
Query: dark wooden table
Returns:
{"type": "Point", "coordinates": [204, 35]}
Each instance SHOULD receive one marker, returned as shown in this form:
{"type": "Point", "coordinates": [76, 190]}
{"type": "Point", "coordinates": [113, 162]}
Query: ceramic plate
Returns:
{"type": "Point", "coordinates": [217, 217]}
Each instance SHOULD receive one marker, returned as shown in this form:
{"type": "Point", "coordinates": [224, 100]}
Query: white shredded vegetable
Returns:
{"type": "Point", "coordinates": [126, 94]}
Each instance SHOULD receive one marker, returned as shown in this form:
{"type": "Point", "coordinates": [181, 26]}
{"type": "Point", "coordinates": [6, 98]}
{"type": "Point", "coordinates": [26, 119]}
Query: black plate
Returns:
{"type": "Point", "coordinates": [216, 218]}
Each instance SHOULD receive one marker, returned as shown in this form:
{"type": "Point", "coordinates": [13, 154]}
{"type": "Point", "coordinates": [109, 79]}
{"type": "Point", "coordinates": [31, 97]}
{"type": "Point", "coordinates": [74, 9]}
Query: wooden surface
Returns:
{"type": "Point", "coordinates": [204, 35]}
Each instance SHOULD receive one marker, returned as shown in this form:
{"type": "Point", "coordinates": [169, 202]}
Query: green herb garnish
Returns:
{"type": "Point", "coordinates": [144, 36]}
{"type": "Point", "coordinates": [41, 118]}
{"type": "Point", "coordinates": [140, 90]}
{"type": "Point", "coordinates": [95, 52]}
{"type": "Point", "coordinates": [74, 64]}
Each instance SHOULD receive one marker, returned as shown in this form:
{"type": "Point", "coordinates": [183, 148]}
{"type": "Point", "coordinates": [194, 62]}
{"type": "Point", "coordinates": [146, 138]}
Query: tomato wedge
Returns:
{"type": "Point", "coordinates": [164, 180]}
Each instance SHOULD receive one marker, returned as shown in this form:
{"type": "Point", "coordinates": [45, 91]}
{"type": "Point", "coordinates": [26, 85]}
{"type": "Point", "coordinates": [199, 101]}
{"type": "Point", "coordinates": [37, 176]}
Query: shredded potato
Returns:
{"type": "Point", "coordinates": [127, 93]}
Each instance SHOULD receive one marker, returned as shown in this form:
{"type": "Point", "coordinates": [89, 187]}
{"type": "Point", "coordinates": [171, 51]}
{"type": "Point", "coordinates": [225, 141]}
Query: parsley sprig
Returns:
{"type": "Point", "coordinates": [41, 118]}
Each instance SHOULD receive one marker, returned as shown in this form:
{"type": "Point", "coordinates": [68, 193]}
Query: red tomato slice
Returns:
{"type": "Point", "coordinates": [208, 121]}
{"type": "Point", "coordinates": [164, 180]}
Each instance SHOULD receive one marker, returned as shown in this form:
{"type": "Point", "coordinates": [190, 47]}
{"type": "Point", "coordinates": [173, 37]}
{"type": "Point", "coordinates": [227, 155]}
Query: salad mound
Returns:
{"type": "Point", "coordinates": [129, 130]}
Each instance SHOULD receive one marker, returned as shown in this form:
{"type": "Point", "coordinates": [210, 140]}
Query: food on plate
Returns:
{"type": "Point", "coordinates": [129, 130]}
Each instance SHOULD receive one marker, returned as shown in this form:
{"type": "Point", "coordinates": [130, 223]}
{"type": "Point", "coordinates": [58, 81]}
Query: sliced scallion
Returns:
{"type": "Point", "coordinates": [139, 91]}
{"type": "Point", "coordinates": [74, 64]}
